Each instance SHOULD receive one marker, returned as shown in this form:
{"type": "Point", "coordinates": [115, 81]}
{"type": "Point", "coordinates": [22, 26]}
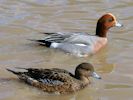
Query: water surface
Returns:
{"type": "Point", "coordinates": [26, 19]}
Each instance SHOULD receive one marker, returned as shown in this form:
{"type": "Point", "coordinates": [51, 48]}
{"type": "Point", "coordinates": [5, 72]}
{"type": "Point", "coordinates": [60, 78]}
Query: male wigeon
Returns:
{"type": "Point", "coordinates": [82, 44]}
{"type": "Point", "coordinates": [56, 80]}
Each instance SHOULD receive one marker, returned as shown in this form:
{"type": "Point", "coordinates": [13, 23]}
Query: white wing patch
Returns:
{"type": "Point", "coordinates": [81, 44]}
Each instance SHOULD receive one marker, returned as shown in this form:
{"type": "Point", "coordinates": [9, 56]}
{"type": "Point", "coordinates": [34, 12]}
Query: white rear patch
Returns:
{"type": "Point", "coordinates": [54, 45]}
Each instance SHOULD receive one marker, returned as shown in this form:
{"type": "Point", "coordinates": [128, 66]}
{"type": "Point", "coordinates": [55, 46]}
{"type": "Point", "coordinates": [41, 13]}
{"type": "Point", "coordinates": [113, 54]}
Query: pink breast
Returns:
{"type": "Point", "coordinates": [99, 44]}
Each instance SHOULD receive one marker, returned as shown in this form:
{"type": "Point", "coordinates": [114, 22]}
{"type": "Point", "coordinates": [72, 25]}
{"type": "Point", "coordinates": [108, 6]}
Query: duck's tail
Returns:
{"type": "Point", "coordinates": [42, 42]}
{"type": "Point", "coordinates": [22, 75]}
{"type": "Point", "coordinates": [14, 72]}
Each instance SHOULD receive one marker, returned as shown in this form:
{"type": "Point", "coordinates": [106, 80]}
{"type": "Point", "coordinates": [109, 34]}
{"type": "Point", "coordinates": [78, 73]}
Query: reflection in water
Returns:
{"type": "Point", "coordinates": [25, 19]}
{"type": "Point", "coordinates": [111, 86]}
{"type": "Point", "coordinates": [107, 68]}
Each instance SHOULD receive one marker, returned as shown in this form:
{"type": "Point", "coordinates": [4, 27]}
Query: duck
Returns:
{"type": "Point", "coordinates": [55, 80]}
{"type": "Point", "coordinates": [81, 44]}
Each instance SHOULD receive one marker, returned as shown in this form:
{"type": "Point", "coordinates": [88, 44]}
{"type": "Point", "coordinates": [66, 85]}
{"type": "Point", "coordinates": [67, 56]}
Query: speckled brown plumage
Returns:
{"type": "Point", "coordinates": [58, 80]}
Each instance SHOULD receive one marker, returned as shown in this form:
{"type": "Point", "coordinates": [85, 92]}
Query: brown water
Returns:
{"type": "Point", "coordinates": [25, 19]}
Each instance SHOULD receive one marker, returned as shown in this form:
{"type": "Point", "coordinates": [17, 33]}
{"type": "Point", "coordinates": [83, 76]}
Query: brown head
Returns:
{"type": "Point", "coordinates": [105, 23]}
{"type": "Point", "coordinates": [84, 71]}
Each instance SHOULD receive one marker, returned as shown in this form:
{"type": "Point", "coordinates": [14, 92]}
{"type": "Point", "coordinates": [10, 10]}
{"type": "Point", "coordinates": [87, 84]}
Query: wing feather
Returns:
{"type": "Point", "coordinates": [74, 38]}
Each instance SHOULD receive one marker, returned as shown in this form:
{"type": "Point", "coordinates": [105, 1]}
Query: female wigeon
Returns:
{"type": "Point", "coordinates": [58, 80]}
{"type": "Point", "coordinates": [82, 44]}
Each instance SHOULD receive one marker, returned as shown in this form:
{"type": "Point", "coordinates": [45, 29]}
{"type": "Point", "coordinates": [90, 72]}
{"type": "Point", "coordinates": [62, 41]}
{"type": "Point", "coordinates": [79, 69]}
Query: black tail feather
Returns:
{"type": "Point", "coordinates": [48, 33]}
{"type": "Point", "coordinates": [21, 68]}
{"type": "Point", "coordinates": [42, 42]}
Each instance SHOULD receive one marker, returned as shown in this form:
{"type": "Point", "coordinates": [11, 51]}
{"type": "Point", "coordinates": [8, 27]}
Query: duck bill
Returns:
{"type": "Point", "coordinates": [118, 24]}
{"type": "Point", "coordinates": [95, 75]}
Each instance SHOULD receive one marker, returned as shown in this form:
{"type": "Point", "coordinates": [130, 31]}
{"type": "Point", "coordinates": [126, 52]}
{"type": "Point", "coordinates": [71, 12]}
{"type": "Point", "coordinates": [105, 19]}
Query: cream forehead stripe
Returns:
{"type": "Point", "coordinates": [112, 16]}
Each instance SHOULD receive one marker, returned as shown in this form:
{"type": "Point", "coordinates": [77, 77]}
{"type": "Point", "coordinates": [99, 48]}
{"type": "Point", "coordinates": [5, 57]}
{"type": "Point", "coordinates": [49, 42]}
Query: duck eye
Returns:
{"type": "Point", "coordinates": [110, 20]}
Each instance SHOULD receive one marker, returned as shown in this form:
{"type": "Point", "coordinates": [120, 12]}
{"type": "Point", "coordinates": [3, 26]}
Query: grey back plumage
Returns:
{"type": "Point", "coordinates": [74, 38]}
